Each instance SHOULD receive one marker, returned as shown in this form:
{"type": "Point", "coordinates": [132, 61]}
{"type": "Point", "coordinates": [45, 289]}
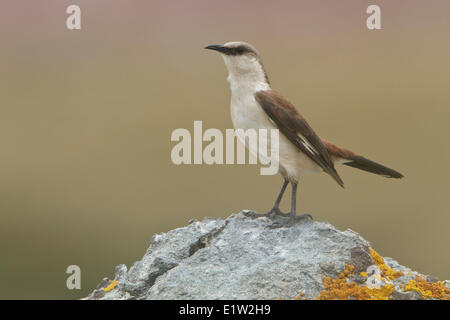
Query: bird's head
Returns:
{"type": "Point", "coordinates": [242, 61]}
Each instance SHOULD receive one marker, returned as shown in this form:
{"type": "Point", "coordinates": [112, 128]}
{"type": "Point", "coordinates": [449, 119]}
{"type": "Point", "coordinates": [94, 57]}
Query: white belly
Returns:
{"type": "Point", "coordinates": [246, 113]}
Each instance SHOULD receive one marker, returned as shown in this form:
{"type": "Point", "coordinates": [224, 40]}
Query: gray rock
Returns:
{"type": "Point", "coordinates": [245, 258]}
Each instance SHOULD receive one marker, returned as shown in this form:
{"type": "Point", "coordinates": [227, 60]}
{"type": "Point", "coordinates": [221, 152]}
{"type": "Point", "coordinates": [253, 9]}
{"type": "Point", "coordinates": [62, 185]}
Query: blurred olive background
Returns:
{"type": "Point", "coordinates": [86, 118]}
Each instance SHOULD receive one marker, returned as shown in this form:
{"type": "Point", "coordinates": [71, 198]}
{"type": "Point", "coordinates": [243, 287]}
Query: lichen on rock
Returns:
{"type": "Point", "coordinates": [246, 258]}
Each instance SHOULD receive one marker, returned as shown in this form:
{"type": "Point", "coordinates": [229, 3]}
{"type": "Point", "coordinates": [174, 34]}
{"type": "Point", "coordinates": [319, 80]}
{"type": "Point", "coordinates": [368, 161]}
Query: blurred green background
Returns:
{"type": "Point", "coordinates": [86, 118]}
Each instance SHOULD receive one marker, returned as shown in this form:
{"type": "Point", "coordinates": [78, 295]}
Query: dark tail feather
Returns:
{"type": "Point", "coordinates": [373, 167]}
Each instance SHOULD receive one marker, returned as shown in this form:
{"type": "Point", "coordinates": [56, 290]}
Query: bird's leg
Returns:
{"type": "Point", "coordinates": [276, 206]}
{"type": "Point", "coordinates": [293, 214]}
{"type": "Point", "coordinates": [294, 200]}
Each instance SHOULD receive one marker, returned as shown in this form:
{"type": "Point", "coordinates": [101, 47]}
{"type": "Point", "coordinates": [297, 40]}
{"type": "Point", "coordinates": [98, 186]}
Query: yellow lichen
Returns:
{"type": "Point", "coordinates": [111, 286]}
{"type": "Point", "coordinates": [436, 290]}
{"type": "Point", "coordinates": [301, 296]}
{"type": "Point", "coordinates": [381, 293]}
{"type": "Point", "coordinates": [389, 273]}
{"type": "Point", "coordinates": [341, 289]}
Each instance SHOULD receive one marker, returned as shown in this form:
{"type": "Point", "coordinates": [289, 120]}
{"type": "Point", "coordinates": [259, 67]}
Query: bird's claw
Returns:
{"type": "Point", "coordinates": [271, 214]}
{"type": "Point", "coordinates": [282, 219]}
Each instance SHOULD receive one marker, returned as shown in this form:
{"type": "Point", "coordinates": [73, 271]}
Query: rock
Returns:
{"type": "Point", "coordinates": [246, 258]}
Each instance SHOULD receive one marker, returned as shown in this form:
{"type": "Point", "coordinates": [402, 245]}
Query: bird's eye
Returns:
{"type": "Point", "coordinates": [239, 50]}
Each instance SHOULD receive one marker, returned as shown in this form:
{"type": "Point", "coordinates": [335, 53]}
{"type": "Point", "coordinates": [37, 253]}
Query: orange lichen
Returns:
{"type": "Point", "coordinates": [436, 290]}
{"type": "Point", "coordinates": [111, 286]}
{"type": "Point", "coordinates": [341, 289]}
{"type": "Point", "coordinates": [389, 273]}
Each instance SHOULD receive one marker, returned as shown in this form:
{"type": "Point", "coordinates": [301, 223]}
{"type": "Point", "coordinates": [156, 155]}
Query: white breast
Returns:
{"type": "Point", "coordinates": [246, 113]}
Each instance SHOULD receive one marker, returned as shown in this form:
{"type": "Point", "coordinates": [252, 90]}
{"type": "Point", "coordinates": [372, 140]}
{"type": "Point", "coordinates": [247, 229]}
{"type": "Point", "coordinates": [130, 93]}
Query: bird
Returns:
{"type": "Point", "coordinates": [256, 105]}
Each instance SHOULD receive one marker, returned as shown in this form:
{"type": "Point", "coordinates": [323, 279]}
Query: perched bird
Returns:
{"type": "Point", "coordinates": [255, 105]}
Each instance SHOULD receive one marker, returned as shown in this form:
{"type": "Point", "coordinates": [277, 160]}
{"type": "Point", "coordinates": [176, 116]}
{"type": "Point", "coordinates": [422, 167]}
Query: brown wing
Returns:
{"type": "Point", "coordinates": [297, 130]}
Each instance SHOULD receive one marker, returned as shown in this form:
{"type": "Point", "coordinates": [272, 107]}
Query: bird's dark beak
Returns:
{"type": "Point", "coordinates": [218, 47]}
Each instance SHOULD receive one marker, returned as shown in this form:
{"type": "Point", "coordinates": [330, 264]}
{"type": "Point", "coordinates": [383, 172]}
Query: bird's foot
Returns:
{"type": "Point", "coordinates": [271, 214]}
{"type": "Point", "coordinates": [290, 221]}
